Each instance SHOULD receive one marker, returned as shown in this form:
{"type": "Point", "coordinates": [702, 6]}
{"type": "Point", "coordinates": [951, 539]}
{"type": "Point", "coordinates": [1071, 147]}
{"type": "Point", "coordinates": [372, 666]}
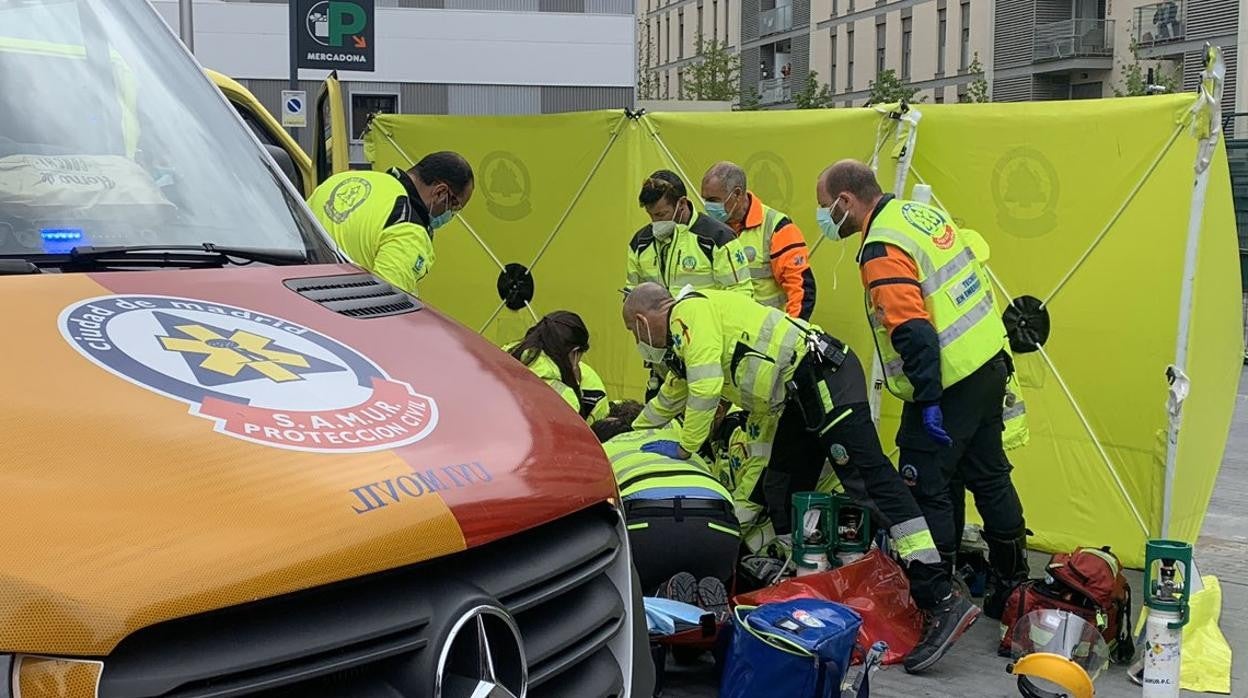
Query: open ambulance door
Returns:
{"type": "Point", "coordinates": [332, 154]}
{"type": "Point", "coordinates": [293, 161]}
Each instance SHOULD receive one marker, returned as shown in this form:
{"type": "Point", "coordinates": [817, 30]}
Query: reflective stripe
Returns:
{"type": "Point", "coordinates": [658, 461]}
{"type": "Point", "coordinates": [894, 367]}
{"type": "Point", "coordinates": [697, 403]}
{"type": "Point", "coordinates": [703, 372]}
{"type": "Point", "coordinates": [638, 526]}
{"type": "Point", "coordinates": [968, 320]}
{"type": "Point", "coordinates": [1018, 409]}
{"type": "Point", "coordinates": [669, 403]}
{"type": "Point", "coordinates": [651, 416]}
{"type": "Point", "coordinates": [722, 529]}
{"type": "Point", "coordinates": [760, 451]}
{"type": "Point", "coordinates": [907, 245]}
{"type": "Point", "coordinates": [933, 281]}
{"type": "Point", "coordinates": [757, 272]}
{"type": "Point", "coordinates": [777, 301]}
{"type": "Point", "coordinates": [695, 280]}
{"type": "Point", "coordinates": [914, 541]}
{"type": "Point", "coordinates": [726, 280]}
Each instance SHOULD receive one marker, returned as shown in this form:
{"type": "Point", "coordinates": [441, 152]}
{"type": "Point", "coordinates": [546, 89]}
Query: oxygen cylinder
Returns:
{"type": "Point", "coordinates": [1167, 566]}
{"type": "Point", "coordinates": [813, 518]}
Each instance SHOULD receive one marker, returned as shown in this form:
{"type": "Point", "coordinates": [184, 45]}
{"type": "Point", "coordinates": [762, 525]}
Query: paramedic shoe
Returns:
{"type": "Point", "coordinates": [682, 587]}
{"type": "Point", "coordinates": [945, 624]}
{"type": "Point", "coordinates": [714, 598]}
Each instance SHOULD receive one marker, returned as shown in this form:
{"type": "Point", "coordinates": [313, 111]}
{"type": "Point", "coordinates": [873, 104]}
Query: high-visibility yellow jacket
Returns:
{"type": "Point", "coordinates": [592, 403]}
{"type": "Point", "coordinates": [642, 475]}
{"type": "Point", "coordinates": [705, 254]}
{"type": "Point", "coordinates": [380, 222]}
{"type": "Point", "coordinates": [777, 259]}
{"type": "Point", "coordinates": [724, 346]}
{"type": "Point", "coordinates": [957, 294]}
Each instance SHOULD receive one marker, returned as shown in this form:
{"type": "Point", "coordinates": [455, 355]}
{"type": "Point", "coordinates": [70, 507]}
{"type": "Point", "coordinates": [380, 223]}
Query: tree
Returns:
{"type": "Point", "coordinates": [886, 88]}
{"type": "Point", "coordinates": [1136, 76]}
{"type": "Point", "coordinates": [749, 100]}
{"type": "Point", "coordinates": [715, 73]}
{"type": "Point", "coordinates": [647, 81]}
{"type": "Point", "coordinates": [813, 95]}
{"type": "Point", "coordinates": [977, 91]}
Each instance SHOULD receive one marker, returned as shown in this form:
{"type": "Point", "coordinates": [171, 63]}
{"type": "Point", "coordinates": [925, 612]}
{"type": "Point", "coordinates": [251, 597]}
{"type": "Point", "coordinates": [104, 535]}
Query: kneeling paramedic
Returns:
{"type": "Point", "coordinates": [943, 346]}
{"type": "Point", "coordinates": [553, 350]}
{"type": "Point", "coordinates": [679, 517]}
{"type": "Point", "coordinates": [806, 394]}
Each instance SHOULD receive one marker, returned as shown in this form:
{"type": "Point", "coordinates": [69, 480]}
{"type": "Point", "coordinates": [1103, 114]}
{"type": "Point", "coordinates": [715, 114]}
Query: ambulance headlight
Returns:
{"type": "Point", "coordinates": [32, 676]}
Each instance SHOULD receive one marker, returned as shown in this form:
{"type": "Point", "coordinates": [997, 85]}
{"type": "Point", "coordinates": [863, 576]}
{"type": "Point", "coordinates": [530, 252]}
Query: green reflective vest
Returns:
{"type": "Point", "coordinates": [725, 346]}
{"type": "Point", "coordinates": [756, 243]}
{"type": "Point", "coordinates": [370, 216]}
{"type": "Point", "coordinates": [705, 254]}
{"type": "Point", "coordinates": [642, 475]}
{"type": "Point", "coordinates": [955, 287]}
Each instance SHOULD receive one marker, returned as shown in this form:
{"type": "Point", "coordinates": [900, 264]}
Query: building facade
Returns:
{"type": "Point", "coordinates": [1023, 49]}
{"type": "Point", "coordinates": [439, 56]}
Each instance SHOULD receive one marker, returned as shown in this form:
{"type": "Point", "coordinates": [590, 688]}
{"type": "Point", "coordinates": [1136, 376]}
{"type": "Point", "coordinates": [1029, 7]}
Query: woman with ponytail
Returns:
{"type": "Point", "coordinates": [552, 349]}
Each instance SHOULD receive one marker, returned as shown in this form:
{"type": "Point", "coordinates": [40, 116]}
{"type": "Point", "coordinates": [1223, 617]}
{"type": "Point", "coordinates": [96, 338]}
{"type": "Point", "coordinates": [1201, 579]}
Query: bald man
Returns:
{"type": "Point", "coordinates": [807, 397]}
{"type": "Point", "coordinates": [775, 250]}
{"type": "Point", "coordinates": [943, 346]}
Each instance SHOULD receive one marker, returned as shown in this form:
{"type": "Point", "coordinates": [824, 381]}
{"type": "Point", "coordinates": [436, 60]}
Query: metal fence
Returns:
{"type": "Point", "coordinates": [1074, 38]}
{"type": "Point", "coordinates": [775, 91]}
{"type": "Point", "coordinates": [775, 21]}
{"type": "Point", "coordinates": [1159, 23]}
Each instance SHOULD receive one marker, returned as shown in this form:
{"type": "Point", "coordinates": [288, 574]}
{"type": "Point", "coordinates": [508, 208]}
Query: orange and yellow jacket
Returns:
{"type": "Point", "coordinates": [779, 262]}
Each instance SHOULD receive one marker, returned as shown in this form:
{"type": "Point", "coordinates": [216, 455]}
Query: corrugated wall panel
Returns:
{"type": "Point", "coordinates": [1012, 89]}
{"type": "Point", "coordinates": [1047, 11]}
{"type": "Point", "coordinates": [555, 100]}
{"type": "Point", "coordinates": [749, 20]}
{"type": "Point", "coordinates": [801, 61]}
{"type": "Point", "coordinates": [423, 98]}
{"type": "Point", "coordinates": [1012, 42]}
{"type": "Point", "coordinates": [424, 4]}
{"type": "Point", "coordinates": [801, 13]}
{"type": "Point", "coordinates": [750, 59]}
{"type": "Point", "coordinates": [562, 5]}
{"type": "Point", "coordinates": [1210, 18]}
{"type": "Point", "coordinates": [609, 7]}
{"type": "Point", "coordinates": [1050, 87]}
{"type": "Point", "coordinates": [493, 99]}
{"type": "Point", "coordinates": [512, 5]}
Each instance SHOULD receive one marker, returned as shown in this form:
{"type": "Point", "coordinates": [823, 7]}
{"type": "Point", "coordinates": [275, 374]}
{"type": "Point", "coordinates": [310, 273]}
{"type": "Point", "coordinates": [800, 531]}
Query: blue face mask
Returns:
{"type": "Point", "coordinates": [443, 218]}
{"type": "Point", "coordinates": [718, 210]}
{"type": "Point", "coordinates": [829, 226]}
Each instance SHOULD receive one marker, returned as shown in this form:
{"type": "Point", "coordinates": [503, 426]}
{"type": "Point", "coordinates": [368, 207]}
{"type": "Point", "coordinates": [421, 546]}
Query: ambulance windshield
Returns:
{"type": "Point", "coordinates": [110, 135]}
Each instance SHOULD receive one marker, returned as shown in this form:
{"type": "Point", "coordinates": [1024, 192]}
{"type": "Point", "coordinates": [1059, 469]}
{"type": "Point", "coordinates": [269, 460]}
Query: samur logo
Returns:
{"type": "Point", "coordinates": [258, 377]}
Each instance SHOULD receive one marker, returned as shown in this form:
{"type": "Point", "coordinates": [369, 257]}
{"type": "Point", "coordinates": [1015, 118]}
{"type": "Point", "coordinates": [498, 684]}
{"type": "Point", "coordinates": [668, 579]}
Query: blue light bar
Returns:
{"type": "Point", "coordinates": [60, 240]}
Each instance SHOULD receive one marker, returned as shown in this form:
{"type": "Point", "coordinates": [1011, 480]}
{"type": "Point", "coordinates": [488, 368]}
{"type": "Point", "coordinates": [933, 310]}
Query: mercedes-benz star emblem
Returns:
{"type": "Point", "coordinates": [483, 658]}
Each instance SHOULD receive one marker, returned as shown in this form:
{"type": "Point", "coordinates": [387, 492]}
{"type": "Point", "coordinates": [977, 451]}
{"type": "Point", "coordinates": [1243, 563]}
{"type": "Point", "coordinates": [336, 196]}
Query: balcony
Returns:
{"type": "Point", "coordinates": [775, 91]}
{"type": "Point", "coordinates": [1160, 24]}
{"type": "Point", "coordinates": [1077, 43]}
{"type": "Point", "coordinates": [775, 21]}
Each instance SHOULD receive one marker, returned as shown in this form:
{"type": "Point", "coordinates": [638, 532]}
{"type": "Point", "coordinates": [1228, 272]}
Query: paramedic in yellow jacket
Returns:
{"type": "Point", "coordinates": [680, 247]}
{"type": "Point", "coordinates": [385, 221]}
{"type": "Point", "coordinates": [807, 398]}
{"type": "Point", "coordinates": [552, 349]}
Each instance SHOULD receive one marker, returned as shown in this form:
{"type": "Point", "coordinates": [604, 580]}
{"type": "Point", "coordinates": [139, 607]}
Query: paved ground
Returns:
{"type": "Point", "coordinates": [974, 670]}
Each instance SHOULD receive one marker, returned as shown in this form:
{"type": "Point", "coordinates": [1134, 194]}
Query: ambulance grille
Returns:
{"type": "Point", "coordinates": [381, 635]}
{"type": "Point", "coordinates": [355, 295]}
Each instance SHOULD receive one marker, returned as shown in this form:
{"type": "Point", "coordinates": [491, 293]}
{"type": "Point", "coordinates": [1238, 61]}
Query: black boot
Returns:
{"type": "Point", "coordinates": [945, 624]}
{"type": "Point", "coordinates": [1007, 561]}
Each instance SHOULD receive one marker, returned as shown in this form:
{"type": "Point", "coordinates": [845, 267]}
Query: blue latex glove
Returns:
{"type": "Point", "coordinates": [934, 423]}
{"type": "Point", "coordinates": [666, 447]}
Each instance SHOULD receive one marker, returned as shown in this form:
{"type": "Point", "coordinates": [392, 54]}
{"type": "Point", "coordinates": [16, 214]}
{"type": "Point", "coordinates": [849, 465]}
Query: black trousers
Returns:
{"type": "Point", "coordinates": [669, 536]}
{"type": "Point", "coordinates": [798, 455]}
{"type": "Point", "coordinates": [976, 461]}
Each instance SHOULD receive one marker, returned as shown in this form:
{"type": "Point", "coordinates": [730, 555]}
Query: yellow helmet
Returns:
{"type": "Point", "coordinates": [1054, 669]}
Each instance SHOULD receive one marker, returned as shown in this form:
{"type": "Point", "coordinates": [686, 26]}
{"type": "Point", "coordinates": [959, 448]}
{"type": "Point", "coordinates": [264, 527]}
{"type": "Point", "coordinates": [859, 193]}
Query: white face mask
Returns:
{"type": "Point", "coordinates": [649, 353]}
{"type": "Point", "coordinates": [664, 230]}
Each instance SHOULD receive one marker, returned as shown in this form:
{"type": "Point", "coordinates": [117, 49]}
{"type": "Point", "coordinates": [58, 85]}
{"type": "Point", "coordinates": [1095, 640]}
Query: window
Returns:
{"type": "Point", "coordinates": [715, 21]}
{"type": "Point", "coordinates": [832, 68]}
{"type": "Point", "coordinates": [698, 30]}
{"type": "Point", "coordinates": [849, 61]}
{"type": "Point", "coordinates": [940, 95]}
{"type": "Point", "coordinates": [835, 8]}
{"type": "Point", "coordinates": [964, 61]}
{"type": "Point", "coordinates": [667, 39]}
{"type": "Point", "coordinates": [880, 55]}
{"type": "Point", "coordinates": [1087, 90]}
{"type": "Point", "coordinates": [905, 48]}
{"type": "Point", "coordinates": [941, 39]}
{"type": "Point", "coordinates": [364, 105]}
{"type": "Point", "coordinates": [680, 35]}
{"type": "Point", "coordinates": [680, 84]}
{"type": "Point", "coordinates": [667, 85]}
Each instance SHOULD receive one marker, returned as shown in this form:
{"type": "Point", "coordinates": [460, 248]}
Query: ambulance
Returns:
{"type": "Point", "coordinates": [233, 463]}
